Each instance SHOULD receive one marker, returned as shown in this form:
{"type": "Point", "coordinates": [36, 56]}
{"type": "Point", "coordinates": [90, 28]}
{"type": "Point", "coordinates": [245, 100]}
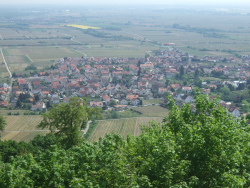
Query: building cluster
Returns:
{"type": "Point", "coordinates": [120, 81]}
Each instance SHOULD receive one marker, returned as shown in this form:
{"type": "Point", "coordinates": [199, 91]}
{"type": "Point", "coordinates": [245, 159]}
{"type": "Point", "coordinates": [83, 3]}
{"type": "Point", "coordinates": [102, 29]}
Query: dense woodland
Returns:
{"type": "Point", "coordinates": [195, 146]}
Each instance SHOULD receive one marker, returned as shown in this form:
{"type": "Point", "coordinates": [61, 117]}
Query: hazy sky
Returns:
{"type": "Point", "coordinates": [225, 2]}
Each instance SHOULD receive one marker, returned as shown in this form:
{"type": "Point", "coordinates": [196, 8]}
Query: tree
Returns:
{"type": "Point", "coordinates": [182, 71]}
{"type": "Point", "coordinates": [241, 86]}
{"type": "Point", "coordinates": [113, 103]}
{"type": "Point", "coordinates": [210, 141]}
{"type": "Point", "coordinates": [195, 146]}
{"type": "Point", "coordinates": [167, 83]}
{"type": "Point", "coordinates": [198, 82]}
{"type": "Point", "coordinates": [196, 74]}
{"type": "Point", "coordinates": [2, 123]}
{"type": "Point", "coordinates": [67, 120]}
{"type": "Point", "coordinates": [19, 104]}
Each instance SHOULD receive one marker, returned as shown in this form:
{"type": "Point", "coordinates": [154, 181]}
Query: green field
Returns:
{"type": "Point", "coordinates": [152, 111]}
{"type": "Point", "coordinates": [124, 127]}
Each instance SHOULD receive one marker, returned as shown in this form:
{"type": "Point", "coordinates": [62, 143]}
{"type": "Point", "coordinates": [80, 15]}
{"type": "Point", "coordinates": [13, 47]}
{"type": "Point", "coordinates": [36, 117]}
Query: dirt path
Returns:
{"type": "Point", "coordinates": [6, 64]}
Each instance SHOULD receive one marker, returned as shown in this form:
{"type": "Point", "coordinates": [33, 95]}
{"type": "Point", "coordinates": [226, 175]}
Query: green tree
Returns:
{"type": "Point", "coordinates": [241, 86]}
{"type": "Point", "coordinates": [182, 71]}
{"type": "Point", "coordinates": [2, 123]}
{"type": "Point", "coordinates": [196, 74]}
{"type": "Point", "coordinates": [67, 120]}
{"type": "Point", "coordinates": [211, 141]}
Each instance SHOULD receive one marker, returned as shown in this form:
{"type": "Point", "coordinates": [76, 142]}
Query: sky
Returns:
{"type": "Point", "coordinates": [113, 2]}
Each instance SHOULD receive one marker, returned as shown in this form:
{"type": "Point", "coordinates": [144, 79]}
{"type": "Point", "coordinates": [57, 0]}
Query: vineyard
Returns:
{"type": "Point", "coordinates": [123, 127]}
{"type": "Point", "coordinates": [22, 128]}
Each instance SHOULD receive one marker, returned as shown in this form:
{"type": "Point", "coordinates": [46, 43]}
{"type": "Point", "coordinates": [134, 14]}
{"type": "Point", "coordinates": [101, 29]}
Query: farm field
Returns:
{"type": "Point", "coordinates": [39, 56]}
{"type": "Point", "coordinates": [152, 111]}
{"type": "Point", "coordinates": [132, 33]}
{"type": "Point", "coordinates": [22, 128]}
{"type": "Point", "coordinates": [124, 127]}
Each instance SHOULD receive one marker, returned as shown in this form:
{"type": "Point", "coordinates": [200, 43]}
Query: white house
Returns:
{"type": "Point", "coordinates": [39, 106]}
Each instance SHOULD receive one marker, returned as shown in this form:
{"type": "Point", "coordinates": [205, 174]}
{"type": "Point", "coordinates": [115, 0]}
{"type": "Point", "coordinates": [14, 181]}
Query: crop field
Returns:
{"type": "Point", "coordinates": [152, 111]}
{"type": "Point", "coordinates": [36, 56]}
{"type": "Point", "coordinates": [14, 33]}
{"type": "Point", "coordinates": [22, 128]}
{"type": "Point", "coordinates": [124, 127]}
{"type": "Point", "coordinates": [127, 33]}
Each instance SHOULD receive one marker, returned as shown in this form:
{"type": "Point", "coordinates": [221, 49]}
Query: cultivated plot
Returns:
{"type": "Point", "coordinates": [22, 128]}
{"type": "Point", "coordinates": [123, 127]}
{"type": "Point", "coordinates": [153, 111]}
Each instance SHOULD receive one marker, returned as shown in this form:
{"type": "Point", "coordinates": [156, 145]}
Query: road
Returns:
{"type": "Point", "coordinates": [87, 128]}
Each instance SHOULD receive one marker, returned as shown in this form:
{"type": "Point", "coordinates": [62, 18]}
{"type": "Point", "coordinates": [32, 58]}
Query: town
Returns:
{"type": "Point", "coordinates": [117, 83]}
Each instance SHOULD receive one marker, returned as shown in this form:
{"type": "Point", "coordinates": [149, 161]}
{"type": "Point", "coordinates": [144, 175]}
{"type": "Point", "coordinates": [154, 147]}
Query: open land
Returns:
{"type": "Point", "coordinates": [22, 128]}
{"type": "Point", "coordinates": [152, 111]}
{"type": "Point", "coordinates": [124, 127]}
{"type": "Point", "coordinates": [121, 32]}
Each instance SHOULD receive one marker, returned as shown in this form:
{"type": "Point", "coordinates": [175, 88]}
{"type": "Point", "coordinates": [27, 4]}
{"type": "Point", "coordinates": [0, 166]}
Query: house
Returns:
{"type": "Point", "coordinates": [188, 99]}
{"type": "Point", "coordinates": [186, 89]}
{"type": "Point", "coordinates": [55, 99]}
{"type": "Point", "coordinates": [176, 86]}
{"type": "Point", "coordinates": [162, 90]}
{"type": "Point", "coordinates": [135, 102]}
{"type": "Point", "coordinates": [4, 104]}
{"type": "Point", "coordinates": [106, 99]}
{"type": "Point", "coordinates": [131, 97]}
{"type": "Point", "coordinates": [206, 91]}
{"type": "Point", "coordinates": [235, 111]}
{"type": "Point", "coordinates": [120, 107]}
{"type": "Point", "coordinates": [39, 106]}
{"type": "Point", "coordinates": [123, 102]}
{"type": "Point", "coordinates": [66, 99]}
{"type": "Point", "coordinates": [96, 104]}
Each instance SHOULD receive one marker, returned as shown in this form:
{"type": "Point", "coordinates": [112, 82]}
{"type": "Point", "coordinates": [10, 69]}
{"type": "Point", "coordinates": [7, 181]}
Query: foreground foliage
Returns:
{"type": "Point", "coordinates": [199, 146]}
{"type": "Point", "coordinates": [68, 119]}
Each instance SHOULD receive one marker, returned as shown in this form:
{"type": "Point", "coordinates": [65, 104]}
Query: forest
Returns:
{"type": "Point", "coordinates": [195, 146]}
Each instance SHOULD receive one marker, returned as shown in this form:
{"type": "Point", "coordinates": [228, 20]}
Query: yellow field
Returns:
{"type": "Point", "coordinates": [82, 26]}
{"type": "Point", "coordinates": [123, 127]}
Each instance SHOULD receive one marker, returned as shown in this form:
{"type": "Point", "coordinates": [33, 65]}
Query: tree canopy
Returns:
{"type": "Point", "coordinates": [68, 119]}
{"type": "Point", "coordinates": [195, 146]}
